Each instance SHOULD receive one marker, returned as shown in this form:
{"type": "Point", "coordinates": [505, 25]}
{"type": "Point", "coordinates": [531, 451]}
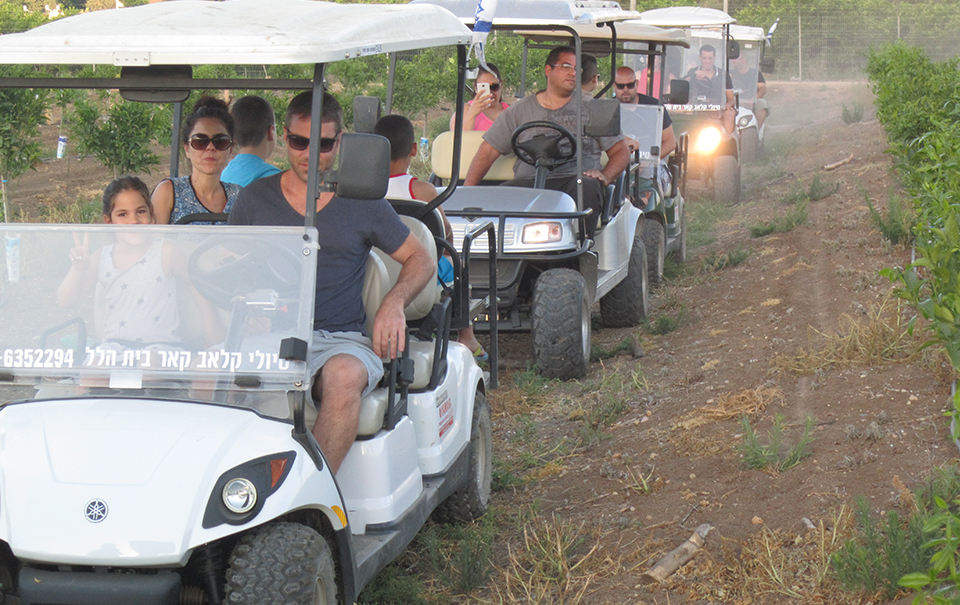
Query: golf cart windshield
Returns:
{"type": "Point", "coordinates": [643, 123]}
{"type": "Point", "coordinates": [199, 313]}
{"type": "Point", "coordinates": [703, 66]}
{"type": "Point", "coordinates": [745, 70]}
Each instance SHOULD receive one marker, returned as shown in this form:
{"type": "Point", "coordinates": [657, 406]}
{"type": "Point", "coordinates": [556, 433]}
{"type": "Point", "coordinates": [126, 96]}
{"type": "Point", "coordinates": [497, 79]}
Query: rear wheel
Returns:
{"type": "Point", "coordinates": [726, 179]}
{"type": "Point", "coordinates": [749, 145]}
{"type": "Point", "coordinates": [655, 241]}
{"type": "Point", "coordinates": [626, 304]}
{"type": "Point", "coordinates": [282, 564]}
{"type": "Point", "coordinates": [561, 324]}
{"type": "Point", "coordinates": [470, 501]}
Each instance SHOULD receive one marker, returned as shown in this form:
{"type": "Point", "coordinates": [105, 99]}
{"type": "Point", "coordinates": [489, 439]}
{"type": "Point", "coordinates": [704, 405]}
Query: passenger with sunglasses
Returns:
{"type": "Point", "coordinates": [480, 112]}
{"type": "Point", "coordinates": [345, 361]}
{"type": "Point", "coordinates": [207, 139]}
{"type": "Point", "coordinates": [627, 90]}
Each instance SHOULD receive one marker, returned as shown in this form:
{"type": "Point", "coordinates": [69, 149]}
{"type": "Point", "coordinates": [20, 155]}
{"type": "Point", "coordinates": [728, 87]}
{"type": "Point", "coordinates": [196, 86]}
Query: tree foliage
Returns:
{"type": "Point", "coordinates": [120, 140]}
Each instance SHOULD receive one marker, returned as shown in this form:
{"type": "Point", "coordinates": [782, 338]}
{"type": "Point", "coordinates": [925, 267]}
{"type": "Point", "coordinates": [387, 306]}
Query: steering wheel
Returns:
{"type": "Point", "coordinates": [227, 266]}
{"type": "Point", "coordinates": [544, 149]}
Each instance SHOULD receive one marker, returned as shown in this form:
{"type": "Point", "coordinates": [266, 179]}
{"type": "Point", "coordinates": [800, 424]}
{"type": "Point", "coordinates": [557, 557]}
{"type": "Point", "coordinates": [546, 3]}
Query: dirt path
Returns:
{"type": "Point", "coordinates": [642, 484]}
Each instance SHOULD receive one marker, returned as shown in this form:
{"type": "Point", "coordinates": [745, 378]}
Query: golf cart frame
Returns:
{"type": "Point", "coordinates": [424, 435]}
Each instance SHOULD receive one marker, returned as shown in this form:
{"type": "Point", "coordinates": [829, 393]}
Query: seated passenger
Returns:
{"type": "Point", "coordinates": [137, 275]}
{"type": "Point", "coordinates": [589, 76]}
{"type": "Point", "coordinates": [256, 129]}
{"type": "Point", "coordinates": [627, 93]}
{"type": "Point", "coordinates": [486, 106]}
{"type": "Point", "coordinates": [555, 104]}
{"type": "Point", "coordinates": [707, 82]}
{"type": "Point", "coordinates": [403, 186]}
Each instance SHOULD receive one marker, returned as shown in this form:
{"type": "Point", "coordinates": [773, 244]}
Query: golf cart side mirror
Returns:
{"type": "Point", "coordinates": [679, 93]}
{"type": "Point", "coordinates": [603, 118]}
{"type": "Point", "coordinates": [364, 169]}
{"type": "Point", "coordinates": [767, 65]}
{"type": "Point", "coordinates": [366, 113]}
{"type": "Point", "coordinates": [733, 49]}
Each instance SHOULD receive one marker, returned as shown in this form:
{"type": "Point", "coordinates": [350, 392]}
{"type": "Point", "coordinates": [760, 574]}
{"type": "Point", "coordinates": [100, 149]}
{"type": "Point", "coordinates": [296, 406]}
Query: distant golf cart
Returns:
{"type": "Point", "coordinates": [714, 154]}
{"type": "Point", "coordinates": [160, 473]}
{"type": "Point", "coordinates": [549, 273]}
{"type": "Point", "coordinates": [639, 45]}
{"type": "Point", "coordinates": [752, 42]}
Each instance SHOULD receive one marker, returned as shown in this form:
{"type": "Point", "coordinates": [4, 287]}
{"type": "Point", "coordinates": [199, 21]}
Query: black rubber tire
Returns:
{"type": "Point", "coordinates": [681, 252]}
{"type": "Point", "coordinates": [470, 501]}
{"type": "Point", "coordinates": [749, 145]}
{"type": "Point", "coordinates": [655, 241]}
{"type": "Point", "coordinates": [282, 564]}
{"type": "Point", "coordinates": [626, 304]}
{"type": "Point", "coordinates": [726, 179]}
{"type": "Point", "coordinates": [561, 324]}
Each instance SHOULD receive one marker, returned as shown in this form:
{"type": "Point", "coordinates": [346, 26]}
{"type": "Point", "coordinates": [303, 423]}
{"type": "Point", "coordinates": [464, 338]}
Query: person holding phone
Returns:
{"type": "Point", "coordinates": [480, 112]}
{"type": "Point", "coordinates": [207, 139]}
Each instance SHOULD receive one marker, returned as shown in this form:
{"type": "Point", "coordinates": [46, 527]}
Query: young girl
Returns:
{"type": "Point", "coordinates": [136, 275]}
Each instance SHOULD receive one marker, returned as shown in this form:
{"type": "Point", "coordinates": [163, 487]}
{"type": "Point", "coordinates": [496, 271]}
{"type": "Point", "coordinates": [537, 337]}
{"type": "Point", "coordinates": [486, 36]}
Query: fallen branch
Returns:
{"type": "Point", "coordinates": [838, 164]}
{"type": "Point", "coordinates": [678, 556]}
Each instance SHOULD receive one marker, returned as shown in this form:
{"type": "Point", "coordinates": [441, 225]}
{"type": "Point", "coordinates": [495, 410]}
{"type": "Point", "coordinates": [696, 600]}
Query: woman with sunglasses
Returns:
{"type": "Point", "coordinates": [480, 112]}
{"type": "Point", "coordinates": [207, 138]}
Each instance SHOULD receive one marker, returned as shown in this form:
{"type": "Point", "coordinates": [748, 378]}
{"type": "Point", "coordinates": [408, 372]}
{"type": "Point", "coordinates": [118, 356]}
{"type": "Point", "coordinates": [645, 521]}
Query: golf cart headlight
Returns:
{"type": "Point", "coordinates": [708, 140]}
{"type": "Point", "coordinates": [742, 121]}
{"type": "Point", "coordinates": [542, 233]}
{"type": "Point", "coordinates": [239, 495]}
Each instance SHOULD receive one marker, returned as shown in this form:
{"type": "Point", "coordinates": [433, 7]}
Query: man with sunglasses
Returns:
{"type": "Point", "coordinates": [346, 362]}
{"type": "Point", "coordinates": [627, 91]}
{"type": "Point", "coordinates": [555, 104]}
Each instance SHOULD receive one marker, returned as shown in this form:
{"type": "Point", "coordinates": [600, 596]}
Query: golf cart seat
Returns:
{"type": "Point", "coordinates": [614, 195]}
{"type": "Point", "coordinates": [442, 157]}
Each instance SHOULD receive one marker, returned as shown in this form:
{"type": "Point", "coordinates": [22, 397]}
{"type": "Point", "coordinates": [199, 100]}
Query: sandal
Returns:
{"type": "Point", "coordinates": [480, 355]}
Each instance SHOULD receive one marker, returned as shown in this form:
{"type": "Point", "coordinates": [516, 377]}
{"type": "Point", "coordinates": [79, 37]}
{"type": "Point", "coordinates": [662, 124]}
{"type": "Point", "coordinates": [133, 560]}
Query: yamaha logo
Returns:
{"type": "Point", "coordinates": [96, 511]}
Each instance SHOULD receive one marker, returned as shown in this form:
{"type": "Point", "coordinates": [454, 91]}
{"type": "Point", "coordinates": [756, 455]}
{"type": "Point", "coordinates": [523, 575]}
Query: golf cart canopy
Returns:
{"type": "Point", "coordinates": [233, 32]}
{"type": "Point", "coordinates": [627, 31]}
{"type": "Point", "coordinates": [686, 16]}
{"type": "Point", "coordinates": [517, 13]}
{"type": "Point", "coordinates": [747, 33]}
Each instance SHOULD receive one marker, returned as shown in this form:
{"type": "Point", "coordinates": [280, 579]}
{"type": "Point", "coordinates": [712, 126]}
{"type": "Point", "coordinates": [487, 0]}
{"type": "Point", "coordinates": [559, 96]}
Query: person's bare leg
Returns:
{"type": "Point", "coordinates": [761, 117]}
{"type": "Point", "coordinates": [339, 386]}
{"type": "Point", "coordinates": [469, 339]}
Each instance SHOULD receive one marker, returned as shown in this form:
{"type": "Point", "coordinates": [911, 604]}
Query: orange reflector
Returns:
{"type": "Point", "coordinates": [277, 466]}
{"type": "Point", "coordinates": [340, 514]}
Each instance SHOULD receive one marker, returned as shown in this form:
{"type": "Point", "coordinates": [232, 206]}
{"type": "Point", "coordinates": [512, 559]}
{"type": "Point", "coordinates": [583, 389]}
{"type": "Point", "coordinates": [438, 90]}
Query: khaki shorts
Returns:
{"type": "Point", "coordinates": [327, 344]}
{"type": "Point", "coordinates": [761, 104]}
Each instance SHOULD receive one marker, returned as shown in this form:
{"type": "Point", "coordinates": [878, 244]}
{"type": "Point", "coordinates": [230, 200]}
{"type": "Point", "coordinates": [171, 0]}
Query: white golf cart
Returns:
{"type": "Point", "coordinates": [745, 73]}
{"type": "Point", "coordinates": [714, 154]}
{"type": "Point", "coordinates": [549, 273]}
{"type": "Point", "coordinates": [145, 471]}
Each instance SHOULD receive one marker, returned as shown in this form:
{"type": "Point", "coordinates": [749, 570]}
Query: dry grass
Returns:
{"type": "Point", "coordinates": [881, 335]}
{"type": "Point", "coordinates": [728, 406]}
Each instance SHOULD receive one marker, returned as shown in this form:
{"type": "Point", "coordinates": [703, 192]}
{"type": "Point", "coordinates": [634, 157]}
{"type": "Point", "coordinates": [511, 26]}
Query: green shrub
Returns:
{"type": "Point", "coordinates": [760, 456]}
{"type": "Point", "coordinates": [781, 224]}
{"type": "Point", "coordinates": [852, 114]}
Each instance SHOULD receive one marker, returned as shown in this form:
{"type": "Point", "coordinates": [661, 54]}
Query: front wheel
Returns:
{"type": "Point", "coordinates": [749, 145]}
{"type": "Point", "coordinates": [470, 501]}
{"type": "Point", "coordinates": [726, 179]}
{"type": "Point", "coordinates": [282, 564]}
{"type": "Point", "coordinates": [560, 320]}
{"type": "Point", "coordinates": [626, 304]}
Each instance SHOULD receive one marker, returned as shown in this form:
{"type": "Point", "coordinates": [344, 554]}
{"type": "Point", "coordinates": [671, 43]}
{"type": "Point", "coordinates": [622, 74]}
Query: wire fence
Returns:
{"type": "Point", "coordinates": [833, 42]}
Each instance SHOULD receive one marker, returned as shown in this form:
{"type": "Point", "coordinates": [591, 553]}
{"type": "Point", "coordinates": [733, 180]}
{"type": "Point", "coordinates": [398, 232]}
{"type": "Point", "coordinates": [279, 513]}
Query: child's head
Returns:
{"type": "Point", "coordinates": [399, 131]}
{"type": "Point", "coordinates": [126, 201]}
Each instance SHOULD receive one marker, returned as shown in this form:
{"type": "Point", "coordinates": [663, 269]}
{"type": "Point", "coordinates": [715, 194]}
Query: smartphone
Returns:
{"type": "Point", "coordinates": [483, 87]}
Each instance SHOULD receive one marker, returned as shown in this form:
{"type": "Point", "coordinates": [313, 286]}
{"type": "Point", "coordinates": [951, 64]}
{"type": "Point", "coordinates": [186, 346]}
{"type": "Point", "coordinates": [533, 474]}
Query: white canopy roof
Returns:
{"type": "Point", "coordinates": [744, 32]}
{"type": "Point", "coordinates": [685, 16]}
{"type": "Point", "coordinates": [512, 14]}
{"type": "Point", "coordinates": [627, 31]}
{"type": "Point", "coordinates": [234, 32]}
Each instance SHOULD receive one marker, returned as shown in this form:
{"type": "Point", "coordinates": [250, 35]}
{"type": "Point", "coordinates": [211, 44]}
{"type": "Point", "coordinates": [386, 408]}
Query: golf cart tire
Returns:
{"type": "Point", "coordinates": [655, 241]}
{"type": "Point", "coordinates": [281, 564]}
{"type": "Point", "coordinates": [681, 252]}
{"type": "Point", "coordinates": [626, 304]}
{"type": "Point", "coordinates": [561, 324]}
{"type": "Point", "coordinates": [749, 145]}
{"type": "Point", "coordinates": [470, 501]}
{"type": "Point", "coordinates": [726, 179]}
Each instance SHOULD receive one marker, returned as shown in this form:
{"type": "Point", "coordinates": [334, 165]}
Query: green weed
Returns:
{"type": "Point", "coordinates": [820, 190]}
{"type": "Point", "coordinates": [624, 346]}
{"type": "Point", "coordinates": [702, 219]}
{"type": "Point", "coordinates": [530, 383]}
{"type": "Point", "coordinates": [852, 114]}
{"type": "Point", "coordinates": [393, 586]}
{"type": "Point", "coordinates": [716, 261]}
{"type": "Point", "coordinates": [82, 211]}
{"type": "Point", "coordinates": [781, 224]}
{"type": "Point", "coordinates": [897, 225]}
{"type": "Point", "coordinates": [759, 456]}
{"type": "Point", "coordinates": [664, 323]}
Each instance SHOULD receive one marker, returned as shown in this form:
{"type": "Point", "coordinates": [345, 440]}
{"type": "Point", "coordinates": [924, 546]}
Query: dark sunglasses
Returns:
{"type": "Point", "coordinates": [299, 143]}
{"type": "Point", "coordinates": [625, 85]}
{"type": "Point", "coordinates": [494, 87]}
{"type": "Point", "coordinates": [221, 142]}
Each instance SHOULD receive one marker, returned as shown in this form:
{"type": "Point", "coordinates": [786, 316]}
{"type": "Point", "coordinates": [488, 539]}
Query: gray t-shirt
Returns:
{"type": "Point", "coordinates": [347, 229]}
{"type": "Point", "coordinates": [528, 109]}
